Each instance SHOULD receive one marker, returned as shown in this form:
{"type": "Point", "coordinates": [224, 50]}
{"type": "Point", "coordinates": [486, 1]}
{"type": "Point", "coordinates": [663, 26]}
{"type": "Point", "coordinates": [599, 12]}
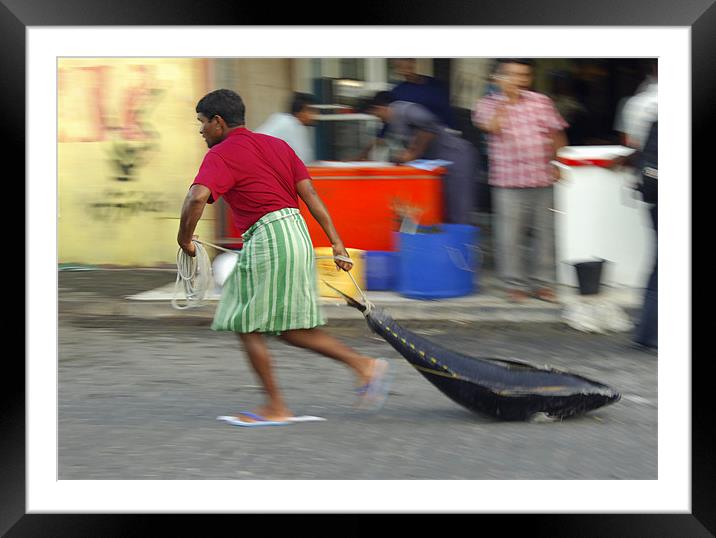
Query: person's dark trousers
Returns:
{"type": "Point", "coordinates": [646, 333]}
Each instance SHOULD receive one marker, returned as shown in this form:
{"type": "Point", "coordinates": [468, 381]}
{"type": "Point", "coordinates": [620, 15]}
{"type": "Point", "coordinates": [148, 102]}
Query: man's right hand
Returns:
{"type": "Point", "coordinates": [617, 161]}
{"type": "Point", "coordinates": [340, 250]}
{"type": "Point", "coordinates": [495, 125]}
{"type": "Point", "coordinates": [189, 248]}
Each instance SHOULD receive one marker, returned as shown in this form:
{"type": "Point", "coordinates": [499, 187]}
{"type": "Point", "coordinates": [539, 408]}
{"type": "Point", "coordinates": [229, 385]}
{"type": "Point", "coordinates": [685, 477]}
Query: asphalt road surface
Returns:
{"type": "Point", "coordinates": [139, 400]}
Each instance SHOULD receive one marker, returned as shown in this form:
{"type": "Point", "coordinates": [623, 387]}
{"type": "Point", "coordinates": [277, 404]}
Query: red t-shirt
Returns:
{"type": "Point", "coordinates": [255, 173]}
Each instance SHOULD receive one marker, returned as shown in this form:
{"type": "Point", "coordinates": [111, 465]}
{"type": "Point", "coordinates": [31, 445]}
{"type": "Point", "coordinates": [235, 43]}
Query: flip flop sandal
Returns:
{"type": "Point", "coordinates": [262, 421]}
{"type": "Point", "coordinates": [259, 420]}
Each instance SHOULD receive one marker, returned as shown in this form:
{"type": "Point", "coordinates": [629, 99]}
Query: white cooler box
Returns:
{"type": "Point", "coordinates": [600, 216]}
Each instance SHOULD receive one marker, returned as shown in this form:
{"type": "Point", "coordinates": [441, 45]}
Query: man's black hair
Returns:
{"type": "Point", "coordinates": [383, 98]}
{"type": "Point", "coordinates": [225, 103]}
{"type": "Point", "coordinates": [300, 101]}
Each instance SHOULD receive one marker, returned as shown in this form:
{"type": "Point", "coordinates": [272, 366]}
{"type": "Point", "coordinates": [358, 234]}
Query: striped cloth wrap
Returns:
{"type": "Point", "coordinates": [273, 287]}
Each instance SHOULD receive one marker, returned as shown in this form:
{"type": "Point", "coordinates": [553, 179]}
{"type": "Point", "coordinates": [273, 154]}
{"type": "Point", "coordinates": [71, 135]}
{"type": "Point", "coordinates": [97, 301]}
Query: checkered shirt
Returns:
{"type": "Point", "coordinates": [520, 153]}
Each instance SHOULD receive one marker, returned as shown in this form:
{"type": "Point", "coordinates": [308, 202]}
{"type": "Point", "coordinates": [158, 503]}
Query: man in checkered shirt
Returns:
{"type": "Point", "coordinates": [524, 133]}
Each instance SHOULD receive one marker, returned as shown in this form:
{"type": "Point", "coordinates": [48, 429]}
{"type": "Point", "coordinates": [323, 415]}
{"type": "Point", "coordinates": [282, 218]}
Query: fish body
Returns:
{"type": "Point", "coordinates": [504, 389]}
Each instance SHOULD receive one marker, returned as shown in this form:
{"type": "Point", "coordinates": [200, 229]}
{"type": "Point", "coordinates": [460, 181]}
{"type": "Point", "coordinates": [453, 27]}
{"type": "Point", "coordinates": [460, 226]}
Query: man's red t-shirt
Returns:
{"type": "Point", "coordinates": [255, 173]}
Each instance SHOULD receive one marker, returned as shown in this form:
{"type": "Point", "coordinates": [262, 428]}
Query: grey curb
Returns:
{"type": "Point", "coordinates": [332, 311]}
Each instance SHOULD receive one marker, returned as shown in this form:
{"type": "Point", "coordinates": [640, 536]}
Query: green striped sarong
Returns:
{"type": "Point", "coordinates": [273, 287]}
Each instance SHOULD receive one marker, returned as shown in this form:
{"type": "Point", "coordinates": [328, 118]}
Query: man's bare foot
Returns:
{"type": "Point", "coordinates": [373, 393]}
{"type": "Point", "coordinates": [368, 371]}
{"type": "Point", "coordinates": [546, 294]}
{"type": "Point", "coordinates": [517, 296]}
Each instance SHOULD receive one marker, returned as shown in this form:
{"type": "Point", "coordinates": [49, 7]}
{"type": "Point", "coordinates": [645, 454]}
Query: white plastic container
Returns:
{"type": "Point", "coordinates": [222, 266]}
{"type": "Point", "coordinates": [599, 215]}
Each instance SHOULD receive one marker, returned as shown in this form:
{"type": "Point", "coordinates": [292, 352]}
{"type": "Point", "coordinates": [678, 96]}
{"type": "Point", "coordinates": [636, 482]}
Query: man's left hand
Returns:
{"type": "Point", "coordinates": [340, 250]}
{"type": "Point", "coordinates": [556, 173]}
{"type": "Point", "coordinates": [405, 156]}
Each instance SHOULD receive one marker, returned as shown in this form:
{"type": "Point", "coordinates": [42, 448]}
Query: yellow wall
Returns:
{"type": "Point", "coordinates": [128, 149]}
{"type": "Point", "coordinates": [264, 84]}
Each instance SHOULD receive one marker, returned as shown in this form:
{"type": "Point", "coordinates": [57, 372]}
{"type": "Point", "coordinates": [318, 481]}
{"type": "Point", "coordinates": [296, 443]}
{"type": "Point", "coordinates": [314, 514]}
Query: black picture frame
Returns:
{"type": "Point", "coordinates": [698, 15]}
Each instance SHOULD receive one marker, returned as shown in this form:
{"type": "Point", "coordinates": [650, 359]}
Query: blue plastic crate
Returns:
{"type": "Point", "coordinates": [438, 265]}
{"type": "Point", "coordinates": [381, 270]}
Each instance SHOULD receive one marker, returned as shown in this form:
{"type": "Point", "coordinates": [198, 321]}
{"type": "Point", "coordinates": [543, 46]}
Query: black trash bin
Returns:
{"type": "Point", "coordinates": [589, 276]}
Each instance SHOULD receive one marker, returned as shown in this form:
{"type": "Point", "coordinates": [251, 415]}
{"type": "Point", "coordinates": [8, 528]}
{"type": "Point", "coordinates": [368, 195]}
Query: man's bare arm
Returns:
{"type": "Point", "coordinates": [363, 155]}
{"type": "Point", "coordinates": [559, 140]}
{"type": "Point", "coordinates": [418, 146]}
{"type": "Point", "coordinates": [191, 212]}
{"type": "Point", "coordinates": [315, 205]}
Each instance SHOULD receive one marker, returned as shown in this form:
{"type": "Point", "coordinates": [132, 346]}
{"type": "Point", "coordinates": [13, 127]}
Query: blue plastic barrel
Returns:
{"type": "Point", "coordinates": [440, 264]}
{"type": "Point", "coordinates": [381, 270]}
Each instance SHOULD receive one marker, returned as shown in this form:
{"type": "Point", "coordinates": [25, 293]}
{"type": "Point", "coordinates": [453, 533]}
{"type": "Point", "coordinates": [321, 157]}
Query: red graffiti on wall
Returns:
{"type": "Point", "coordinates": [84, 101]}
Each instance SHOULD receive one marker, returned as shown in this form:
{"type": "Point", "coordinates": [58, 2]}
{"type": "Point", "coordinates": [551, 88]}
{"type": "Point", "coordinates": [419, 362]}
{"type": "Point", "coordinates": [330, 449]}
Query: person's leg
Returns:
{"type": "Point", "coordinates": [459, 183]}
{"type": "Point", "coordinates": [654, 212]}
{"type": "Point", "coordinates": [509, 230]}
{"type": "Point", "coordinates": [260, 359]}
{"type": "Point", "coordinates": [647, 330]}
{"type": "Point", "coordinates": [321, 342]}
{"type": "Point", "coordinates": [543, 277]}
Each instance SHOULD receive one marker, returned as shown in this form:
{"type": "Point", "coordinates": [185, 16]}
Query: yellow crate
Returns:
{"type": "Point", "coordinates": [326, 271]}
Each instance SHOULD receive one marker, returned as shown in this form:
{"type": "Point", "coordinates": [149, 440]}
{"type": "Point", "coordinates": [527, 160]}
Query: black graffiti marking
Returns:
{"type": "Point", "coordinates": [127, 158]}
{"type": "Point", "coordinates": [109, 210]}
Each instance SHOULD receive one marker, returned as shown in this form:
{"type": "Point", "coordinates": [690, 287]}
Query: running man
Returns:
{"type": "Point", "coordinates": [272, 288]}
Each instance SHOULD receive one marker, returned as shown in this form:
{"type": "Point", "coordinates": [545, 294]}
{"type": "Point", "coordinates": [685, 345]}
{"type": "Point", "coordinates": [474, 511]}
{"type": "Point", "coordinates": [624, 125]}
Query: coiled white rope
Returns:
{"type": "Point", "coordinates": [194, 278]}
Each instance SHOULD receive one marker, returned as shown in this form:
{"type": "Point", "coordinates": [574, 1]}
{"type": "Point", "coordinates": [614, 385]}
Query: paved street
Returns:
{"type": "Point", "coordinates": [138, 400]}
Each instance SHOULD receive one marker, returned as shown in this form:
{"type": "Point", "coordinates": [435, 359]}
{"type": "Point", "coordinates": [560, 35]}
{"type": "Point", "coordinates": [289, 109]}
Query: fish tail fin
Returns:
{"type": "Point", "coordinates": [350, 300]}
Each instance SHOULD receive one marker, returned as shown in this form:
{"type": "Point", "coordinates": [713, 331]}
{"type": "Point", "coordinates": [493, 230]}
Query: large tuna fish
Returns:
{"type": "Point", "coordinates": [506, 389]}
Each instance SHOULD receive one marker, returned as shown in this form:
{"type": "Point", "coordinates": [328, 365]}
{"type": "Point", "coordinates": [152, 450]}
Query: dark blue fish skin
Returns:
{"type": "Point", "coordinates": [506, 390]}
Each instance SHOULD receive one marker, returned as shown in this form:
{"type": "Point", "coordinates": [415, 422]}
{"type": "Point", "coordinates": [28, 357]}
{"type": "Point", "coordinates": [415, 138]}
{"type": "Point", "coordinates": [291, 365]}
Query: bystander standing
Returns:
{"type": "Point", "coordinates": [524, 133]}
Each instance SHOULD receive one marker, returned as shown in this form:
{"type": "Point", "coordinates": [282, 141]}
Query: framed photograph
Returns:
{"type": "Point", "coordinates": [48, 51]}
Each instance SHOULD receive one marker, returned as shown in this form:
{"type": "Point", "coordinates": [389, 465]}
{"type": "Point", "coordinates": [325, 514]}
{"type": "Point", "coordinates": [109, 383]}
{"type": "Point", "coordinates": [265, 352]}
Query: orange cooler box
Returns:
{"type": "Point", "coordinates": [364, 202]}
